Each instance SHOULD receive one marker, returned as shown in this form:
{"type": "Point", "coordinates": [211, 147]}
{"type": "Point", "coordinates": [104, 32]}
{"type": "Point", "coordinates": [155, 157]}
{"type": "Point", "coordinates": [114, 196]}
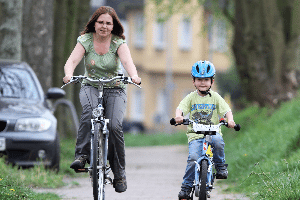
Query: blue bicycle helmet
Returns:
{"type": "Point", "coordinates": [203, 69]}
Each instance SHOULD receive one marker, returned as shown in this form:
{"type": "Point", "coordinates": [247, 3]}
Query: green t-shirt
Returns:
{"type": "Point", "coordinates": [101, 66]}
{"type": "Point", "coordinates": [204, 110]}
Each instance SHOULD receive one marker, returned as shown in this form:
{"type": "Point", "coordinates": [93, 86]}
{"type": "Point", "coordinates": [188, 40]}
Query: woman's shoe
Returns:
{"type": "Point", "coordinates": [79, 163]}
{"type": "Point", "coordinates": [120, 185]}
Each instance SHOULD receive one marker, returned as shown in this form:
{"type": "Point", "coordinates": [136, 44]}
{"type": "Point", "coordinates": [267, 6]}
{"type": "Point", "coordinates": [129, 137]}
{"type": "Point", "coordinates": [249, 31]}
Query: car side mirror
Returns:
{"type": "Point", "coordinates": [55, 93]}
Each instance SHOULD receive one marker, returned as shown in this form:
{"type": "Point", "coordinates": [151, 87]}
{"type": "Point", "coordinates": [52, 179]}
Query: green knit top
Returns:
{"type": "Point", "coordinates": [101, 66]}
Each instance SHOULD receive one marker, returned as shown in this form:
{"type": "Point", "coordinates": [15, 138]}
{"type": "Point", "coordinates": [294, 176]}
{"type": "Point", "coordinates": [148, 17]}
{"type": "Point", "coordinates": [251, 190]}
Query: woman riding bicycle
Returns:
{"type": "Point", "coordinates": [103, 46]}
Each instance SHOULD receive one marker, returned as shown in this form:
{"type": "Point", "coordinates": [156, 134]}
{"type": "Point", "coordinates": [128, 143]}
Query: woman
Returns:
{"type": "Point", "coordinates": [103, 46]}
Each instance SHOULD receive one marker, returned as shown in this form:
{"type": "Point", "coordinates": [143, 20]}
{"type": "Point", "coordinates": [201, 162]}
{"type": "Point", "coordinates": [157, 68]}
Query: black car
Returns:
{"type": "Point", "coordinates": [28, 133]}
{"type": "Point", "coordinates": [133, 127]}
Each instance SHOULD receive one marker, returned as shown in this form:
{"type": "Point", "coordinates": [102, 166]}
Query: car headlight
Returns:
{"type": "Point", "coordinates": [32, 124]}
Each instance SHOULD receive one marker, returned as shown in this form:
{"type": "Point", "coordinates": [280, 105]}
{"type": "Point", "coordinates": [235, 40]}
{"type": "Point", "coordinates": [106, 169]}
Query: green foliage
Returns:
{"type": "Point", "coordinates": [15, 183]}
{"type": "Point", "coordinates": [229, 82]}
{"type": "Point", "coordinates": [158, 139]}
{"type": "Point", "coordinates": [166, 8]}
{"type": "Point", "coordinates": [264, 155]}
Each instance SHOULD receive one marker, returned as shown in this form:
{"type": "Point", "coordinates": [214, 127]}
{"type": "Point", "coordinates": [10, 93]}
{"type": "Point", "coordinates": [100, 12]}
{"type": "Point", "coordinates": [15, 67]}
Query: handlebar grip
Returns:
{"type": "Point", "coordinates": [185, 122]}
{"type": "Point", "coordinates": [172, 121]}
{"type": "Point", "coordinates": [237, 127]}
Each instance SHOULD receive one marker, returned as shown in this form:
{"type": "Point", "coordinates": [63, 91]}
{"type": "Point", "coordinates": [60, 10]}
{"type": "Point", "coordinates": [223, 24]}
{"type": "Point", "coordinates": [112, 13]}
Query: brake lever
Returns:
{"type": "Point", "coordinates": [73, 80]}
{"type": "Point", "coordinates": [129, 80]}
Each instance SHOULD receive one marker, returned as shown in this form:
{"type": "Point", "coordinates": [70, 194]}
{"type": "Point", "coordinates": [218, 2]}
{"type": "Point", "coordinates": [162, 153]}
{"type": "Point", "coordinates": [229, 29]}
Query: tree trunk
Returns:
{"type": "Point", "coordinates": [37, 37]}
{"type": "Point", "coordinates": [10, 29]}
{"type": "Point", "coordinates": [70, 16]}
{"type": "Point", "coordinates": [265, 51]}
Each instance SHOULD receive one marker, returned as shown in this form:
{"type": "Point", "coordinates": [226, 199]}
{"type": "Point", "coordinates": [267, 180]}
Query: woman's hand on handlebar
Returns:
{"type": "Point", "coordinates": [67, 79]}
{"type": "Point", "coordinates": [136, 79]}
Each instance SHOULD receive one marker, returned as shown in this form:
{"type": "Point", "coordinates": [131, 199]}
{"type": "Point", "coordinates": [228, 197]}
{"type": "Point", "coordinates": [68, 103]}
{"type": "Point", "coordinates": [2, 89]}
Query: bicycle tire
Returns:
{"type": "Point", "coordinates": [95, 171]}
{"type": "Point", "coordinates": [202, 180]}
{"type": "Point", "coordinates": [98, 170]}
{"type": "Point", "coordinates": [102, 170]}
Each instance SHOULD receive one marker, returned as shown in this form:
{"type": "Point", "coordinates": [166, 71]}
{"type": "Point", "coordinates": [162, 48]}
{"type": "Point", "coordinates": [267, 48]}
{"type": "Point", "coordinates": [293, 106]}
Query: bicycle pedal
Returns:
{"type": "Point", "coordinates": [221, 177]}
{"type": "Point", "coordinates": [109, 179]}
{"type": "Point", "coordinates": [81, 170]}
{"type": "Point", "coordinates": [208, 195]}
{"type": "Point", "coordinates": [189, 198]}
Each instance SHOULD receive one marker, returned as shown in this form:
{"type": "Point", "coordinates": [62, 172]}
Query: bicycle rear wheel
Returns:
{"type": "Point", "coordinates": [202, 180]}
{"type": "Point", "coordinates": [98, 173]}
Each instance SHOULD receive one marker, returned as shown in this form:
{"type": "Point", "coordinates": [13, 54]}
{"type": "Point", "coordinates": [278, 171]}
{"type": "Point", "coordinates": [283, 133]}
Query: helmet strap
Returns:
{"type": "Point", "coordinates": [206, 92]}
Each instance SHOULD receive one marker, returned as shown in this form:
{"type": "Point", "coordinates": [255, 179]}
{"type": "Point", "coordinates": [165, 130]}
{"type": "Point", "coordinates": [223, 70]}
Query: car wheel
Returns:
{"type": "Point", "coordinates": [56, 157]}
{"type": "Point", "coordinates": [134, 130]}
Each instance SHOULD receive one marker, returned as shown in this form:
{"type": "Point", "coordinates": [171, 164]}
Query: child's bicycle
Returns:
{"type": "Point", "coordinates": [99, 168]}
{"type": "Point", "coordinates": [204, 174]}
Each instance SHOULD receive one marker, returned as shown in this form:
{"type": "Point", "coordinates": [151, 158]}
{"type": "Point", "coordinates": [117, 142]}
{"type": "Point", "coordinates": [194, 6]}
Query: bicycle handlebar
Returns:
{"type": "Point", "coordinates": [124, 79]}
{"type": "Point", "coordinates": [237, 127]}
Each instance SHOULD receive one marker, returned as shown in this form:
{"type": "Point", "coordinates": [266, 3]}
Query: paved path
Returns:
{"type": "Point", "coordinates": [152, 173]}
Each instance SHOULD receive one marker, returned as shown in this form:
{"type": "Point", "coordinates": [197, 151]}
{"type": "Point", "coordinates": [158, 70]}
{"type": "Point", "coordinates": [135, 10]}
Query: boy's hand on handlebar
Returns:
{"type": "Point", "coordinates": [179, 119]}
{"type": "Point", "coordinates": [231, 124]}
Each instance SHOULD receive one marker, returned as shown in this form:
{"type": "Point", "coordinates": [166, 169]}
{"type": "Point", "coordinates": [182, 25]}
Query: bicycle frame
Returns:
{"type": "Point", "coordinates": [99, 140]}
{"type": "Point", "coordinates": [98, 168]}
{"type": "Point", "coordinates": [204, 173]}
{"type": "Point", "coordinates": [208, 156]}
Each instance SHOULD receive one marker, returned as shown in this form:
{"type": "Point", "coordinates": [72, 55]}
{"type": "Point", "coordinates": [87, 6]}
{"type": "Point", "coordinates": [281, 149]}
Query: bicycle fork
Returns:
{"type": "Point", "coordinates": [209, 179]}
{"type": "Point", "coordinates": [105, 133]}
{"type": "Point", "coordinates": [106, 169]}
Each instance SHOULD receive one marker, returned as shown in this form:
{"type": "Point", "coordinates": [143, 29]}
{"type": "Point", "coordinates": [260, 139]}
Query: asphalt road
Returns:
{"type": "Point", "coordinates": [152, 173]}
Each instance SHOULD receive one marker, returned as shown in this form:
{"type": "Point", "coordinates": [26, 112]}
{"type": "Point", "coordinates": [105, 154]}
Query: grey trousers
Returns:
{"type": "Point", "coordinates": [114, 103]}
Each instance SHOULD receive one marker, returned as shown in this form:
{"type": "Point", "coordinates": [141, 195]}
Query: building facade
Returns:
{"type": "Point", "coordinates": [164, 52]}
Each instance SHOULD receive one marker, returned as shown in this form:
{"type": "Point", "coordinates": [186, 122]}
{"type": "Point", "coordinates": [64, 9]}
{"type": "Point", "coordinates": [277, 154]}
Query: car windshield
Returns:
{"type": "Point", "coordinates": [17, 83]}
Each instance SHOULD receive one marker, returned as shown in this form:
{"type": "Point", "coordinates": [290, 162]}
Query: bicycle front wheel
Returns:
{"type": "Point", "coordinates": [202, 180]}
{"type": "Point", "coordinates": [98, 173]}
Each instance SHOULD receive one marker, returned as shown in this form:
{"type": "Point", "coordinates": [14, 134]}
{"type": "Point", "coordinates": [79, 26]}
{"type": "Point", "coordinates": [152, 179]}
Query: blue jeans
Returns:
{"type": "Point", "coordinates": [196, 151]}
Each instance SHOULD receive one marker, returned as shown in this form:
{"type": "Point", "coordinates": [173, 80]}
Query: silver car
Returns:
{"type": "Point", "coordinates": [28, 128]}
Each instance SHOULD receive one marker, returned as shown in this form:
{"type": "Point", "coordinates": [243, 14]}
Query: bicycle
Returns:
{"type": "Point", "coordinates": [204, 172]}
{"type": "Point", "coordinates": [99, 169]}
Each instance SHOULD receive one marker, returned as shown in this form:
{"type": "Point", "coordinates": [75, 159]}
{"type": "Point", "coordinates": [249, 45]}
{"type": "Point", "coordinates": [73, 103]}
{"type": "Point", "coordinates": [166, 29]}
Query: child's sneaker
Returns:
{"type": "Point", "coordinates": [222, 172]}
{"type": "Point", "coordinates": [184, 194]}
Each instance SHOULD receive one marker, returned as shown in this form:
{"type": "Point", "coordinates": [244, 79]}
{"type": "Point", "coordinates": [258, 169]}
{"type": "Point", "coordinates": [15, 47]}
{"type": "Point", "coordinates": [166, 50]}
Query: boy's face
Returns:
{"type": "Point", "coordinates": [203, 84]}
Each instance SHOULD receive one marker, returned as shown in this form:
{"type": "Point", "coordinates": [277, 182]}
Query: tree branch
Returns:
{"type": "Point", "coordinates": [225, 11]}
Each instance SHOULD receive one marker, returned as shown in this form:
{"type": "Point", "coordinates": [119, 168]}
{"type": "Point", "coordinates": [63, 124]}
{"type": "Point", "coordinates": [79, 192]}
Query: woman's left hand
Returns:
{"type": "Point", "coordinates": [136, 79]}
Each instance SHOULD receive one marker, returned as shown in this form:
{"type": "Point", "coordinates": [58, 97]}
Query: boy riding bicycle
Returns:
{"type": "Point", "coordinates": [205, 106]}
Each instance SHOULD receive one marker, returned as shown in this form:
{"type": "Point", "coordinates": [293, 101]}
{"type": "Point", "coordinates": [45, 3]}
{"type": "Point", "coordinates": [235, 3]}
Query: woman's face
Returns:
{"type": "Point", "coordinates": [104, 25]}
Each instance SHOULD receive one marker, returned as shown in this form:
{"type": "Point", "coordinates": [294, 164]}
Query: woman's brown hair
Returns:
{"type": "Point", "coordinates": [117, 29]}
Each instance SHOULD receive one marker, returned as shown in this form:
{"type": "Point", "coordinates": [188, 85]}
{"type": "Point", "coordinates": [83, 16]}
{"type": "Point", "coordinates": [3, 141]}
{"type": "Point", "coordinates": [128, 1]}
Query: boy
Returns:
{"type": "Point", "coordinates": [205, 106]}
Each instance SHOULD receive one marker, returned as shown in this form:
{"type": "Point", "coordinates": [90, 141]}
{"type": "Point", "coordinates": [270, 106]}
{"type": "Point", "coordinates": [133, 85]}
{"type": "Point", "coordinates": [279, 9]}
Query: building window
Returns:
{"type": "Point", "coordinates": [159, 35]}
{"type": "Point", "coordinates": [137, 105]}
{"type": "Point", "coordinates": [185, 34]}
{"type": "Point", "coordinates": [139, 31]}
{"type": "Point", "coordinates": [161, 115]}
{"type": "Point", "coordinates": [217, 34]}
